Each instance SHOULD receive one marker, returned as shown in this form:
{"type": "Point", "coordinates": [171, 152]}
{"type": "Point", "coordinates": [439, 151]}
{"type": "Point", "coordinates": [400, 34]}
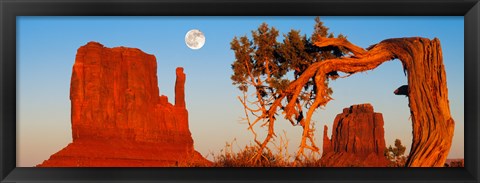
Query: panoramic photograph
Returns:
{"type": "Point", "coordinates": [240, 91]}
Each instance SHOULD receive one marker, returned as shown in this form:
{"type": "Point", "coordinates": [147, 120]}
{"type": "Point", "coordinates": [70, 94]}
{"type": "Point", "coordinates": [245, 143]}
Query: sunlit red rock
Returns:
{"type": "Point", "coordinates": [118, 117]}
{"type": "Point", "coordinates": [357, 139]}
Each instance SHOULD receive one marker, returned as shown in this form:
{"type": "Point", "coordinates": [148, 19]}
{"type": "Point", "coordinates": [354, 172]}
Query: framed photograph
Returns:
{"type": "Point", "coordinates": [239, 91]}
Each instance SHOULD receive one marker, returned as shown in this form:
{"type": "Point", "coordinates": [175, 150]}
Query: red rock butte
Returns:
{"type": "Point", "coordinates": [118, 118]}
{"type": "Point", "coordinates": [357, 139]}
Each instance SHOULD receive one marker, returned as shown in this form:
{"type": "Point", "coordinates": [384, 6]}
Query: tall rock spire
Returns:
{"type": "Point", "coordinates": [180, 88]}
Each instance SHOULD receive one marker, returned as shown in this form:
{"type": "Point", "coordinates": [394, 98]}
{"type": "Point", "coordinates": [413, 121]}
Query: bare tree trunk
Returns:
{"type": "Point", "coordinates": [428, 99]}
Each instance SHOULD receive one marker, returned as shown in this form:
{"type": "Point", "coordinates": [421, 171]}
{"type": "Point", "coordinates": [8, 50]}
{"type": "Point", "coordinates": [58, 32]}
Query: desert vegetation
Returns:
{"type": "Point", "coordinates": [396, 154]}
{"type": "Point", "coordinates": [233, 155]}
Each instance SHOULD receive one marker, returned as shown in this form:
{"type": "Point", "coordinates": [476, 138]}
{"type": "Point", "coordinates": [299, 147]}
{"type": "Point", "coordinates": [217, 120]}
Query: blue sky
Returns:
{"type": "Point", "coordinates": [46, 48]}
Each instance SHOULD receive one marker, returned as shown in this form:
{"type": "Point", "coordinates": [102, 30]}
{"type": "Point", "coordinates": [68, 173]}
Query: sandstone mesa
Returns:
{"type": "Point", "coordinates": [357, 139]}
{"type": "Point", "coordinates": [118, 117]}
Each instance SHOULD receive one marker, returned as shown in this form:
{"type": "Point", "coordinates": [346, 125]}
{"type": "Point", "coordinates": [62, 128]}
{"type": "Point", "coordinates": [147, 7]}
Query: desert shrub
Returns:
{"type": "Point", "coordinates": [275, 156]}
{"type": "Point", "coordinates": [396, 154]}
{"type": "Point", "coordinates": [245, 157]}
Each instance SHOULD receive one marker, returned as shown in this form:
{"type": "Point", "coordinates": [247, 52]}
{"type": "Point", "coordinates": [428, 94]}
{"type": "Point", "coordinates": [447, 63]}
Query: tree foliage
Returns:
{"type": "Point", "coordinates": [267, 66]}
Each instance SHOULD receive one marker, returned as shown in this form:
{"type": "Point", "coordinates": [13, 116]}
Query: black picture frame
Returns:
{"type": "Point", "coordinates": [9, 9]}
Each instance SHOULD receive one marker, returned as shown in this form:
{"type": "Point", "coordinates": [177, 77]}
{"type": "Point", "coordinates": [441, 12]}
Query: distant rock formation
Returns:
{"type": "Point", "coordinates": [357, 139]}
{"type": "Point", "coordinates": [118, 117]}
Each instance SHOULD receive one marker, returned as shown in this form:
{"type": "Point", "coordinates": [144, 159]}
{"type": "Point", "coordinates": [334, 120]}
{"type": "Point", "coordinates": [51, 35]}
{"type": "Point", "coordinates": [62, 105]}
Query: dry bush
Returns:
{"type": "Point", "coordinates": [246, 156]}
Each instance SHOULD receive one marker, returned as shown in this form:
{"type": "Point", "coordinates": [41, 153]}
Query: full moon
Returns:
{"type": "Point", "coordinates": [194, 39]}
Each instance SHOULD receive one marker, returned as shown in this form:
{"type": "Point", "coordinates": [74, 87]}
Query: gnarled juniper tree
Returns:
{"type": "Point", "coordinates": [292, 76]}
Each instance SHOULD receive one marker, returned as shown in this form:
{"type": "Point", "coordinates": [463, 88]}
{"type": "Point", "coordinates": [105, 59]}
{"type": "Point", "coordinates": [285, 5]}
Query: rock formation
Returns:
{"type": "Point", "coordinates": [357, 139]}
{"type": "Point", "coordinates": [118, 117]}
